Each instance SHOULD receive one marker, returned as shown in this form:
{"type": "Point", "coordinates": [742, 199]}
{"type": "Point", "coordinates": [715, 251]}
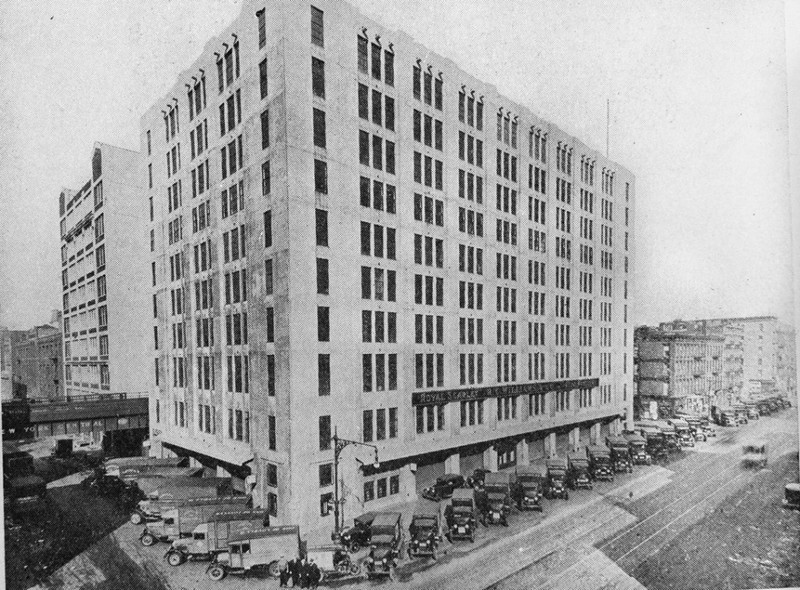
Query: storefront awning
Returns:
{"type": "Point", "coordinates": [234, 456]}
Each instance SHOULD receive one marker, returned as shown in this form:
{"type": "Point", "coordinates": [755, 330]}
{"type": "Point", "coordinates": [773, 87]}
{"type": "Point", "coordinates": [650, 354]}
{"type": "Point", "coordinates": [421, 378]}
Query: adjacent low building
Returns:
{"type": "Point", "coordinates": [352, 236]}
{"type": "Point", "coordinates": [38, 364]}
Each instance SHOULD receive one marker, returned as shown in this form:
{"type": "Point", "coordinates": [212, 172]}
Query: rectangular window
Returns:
{"type": "Point", "coordinates": [318, 77]}
{"type": "Point", "coordinates": [324, 374]}
{"type": "Point", "coordinates": [321, 177]}
{"type": "Point", "coordinates": [367, 425]}
{"type": "Point", "coordinates": [265, 129]}
{"type": "Point", "coordinates": [262, 77]}
{"type": "Point", "coordinates": [323, 324]}
{"type": "Point", "coordinates": [322, 276]}
{"type": "Point", "coordinates": [322, 227]}
{"type": "Point", "coordinates": [324, 433]}
{"type": "Point", "coordinates": [317, 27]}
{"type": "Point", "coordinates": [319, 129]}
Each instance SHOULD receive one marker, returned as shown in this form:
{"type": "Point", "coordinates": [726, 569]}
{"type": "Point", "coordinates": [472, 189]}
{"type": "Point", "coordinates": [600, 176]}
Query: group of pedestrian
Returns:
{"type": "Point", "coordinates": [299, 573]}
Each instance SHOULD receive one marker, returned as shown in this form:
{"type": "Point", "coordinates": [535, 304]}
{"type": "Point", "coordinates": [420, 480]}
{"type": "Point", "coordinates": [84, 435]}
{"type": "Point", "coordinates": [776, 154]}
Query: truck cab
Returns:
{"type": "Point", "coordinates": [600, 464]}
{"type": "Point", "coordinates": [685, 438]}
{"type": "Point", "coordinates": [256, 551]}
{"type": "Point", "coordinates": [556, 486]}
{"type": "Point", "coordinates": [356, 536]}
{"type": "Point", "coordinates": [461, 515]}
{"type": "Point", "coordinates": [424, 534]}
{"type": "Point", "coordinates": [638, 447]}
{"type": "Point", "coordinates": [620, 454]}
{"type": "Point", "coordinates": [386, 545]}
{"type": "Point", "coordinates": [579, 475]}
{"type": "Point", "coordinates": [496, 498]}
{"type": "Point", "coordinates": [528, 488]}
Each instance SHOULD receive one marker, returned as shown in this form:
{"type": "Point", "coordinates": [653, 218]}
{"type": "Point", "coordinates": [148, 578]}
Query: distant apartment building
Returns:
{"type": "Point", "coordinates": [352, 235]}
{"type": "Point", "coordinates": [8, 340]}
{"type": "Point", "coordinates": [106, 304]}
{"type": "Point", "coordinates": [786, 360]}
{"type": "Point", "coordinates": [677, 370]}
{"type": "Point", "coordinates": [38, 363]}
{"type": "Point", "coordinates": [733, 354]}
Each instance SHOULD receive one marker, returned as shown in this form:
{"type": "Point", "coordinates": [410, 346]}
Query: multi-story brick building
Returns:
{"type": "Point", "coordinates": [104, 278]}
{"type": "Point", "coordinates": [677, 369]}
{"type": "Point", "coordinates": [38, 363]}
{"type": "Point", "coordinates": [354, 236]}
{"type": "Point", "coordinates": [8, 341]}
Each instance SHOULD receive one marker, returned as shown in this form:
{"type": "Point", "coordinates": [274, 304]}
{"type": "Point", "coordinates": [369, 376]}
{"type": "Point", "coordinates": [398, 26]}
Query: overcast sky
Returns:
{"type": "Point", "coordinates": [698, 114]}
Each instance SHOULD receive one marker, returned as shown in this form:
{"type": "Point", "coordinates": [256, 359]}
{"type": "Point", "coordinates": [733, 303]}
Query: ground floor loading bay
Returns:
{"type": "Point", "coordinates": [404, 470]}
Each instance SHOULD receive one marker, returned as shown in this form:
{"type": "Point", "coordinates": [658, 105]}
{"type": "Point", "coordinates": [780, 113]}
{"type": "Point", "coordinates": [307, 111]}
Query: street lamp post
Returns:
{"type": "Point", "coordinates": [339, 444]}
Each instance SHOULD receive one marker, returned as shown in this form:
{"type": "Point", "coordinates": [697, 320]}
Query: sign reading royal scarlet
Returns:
{"type": "Point", "coordinates": [424, 398]}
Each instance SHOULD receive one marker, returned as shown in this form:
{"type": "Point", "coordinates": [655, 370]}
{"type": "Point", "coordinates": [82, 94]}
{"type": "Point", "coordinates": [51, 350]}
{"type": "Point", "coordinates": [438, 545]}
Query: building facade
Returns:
{"type": "Point", "coordinates": [38, 364]}
{"type": "Point", "coordinates": [104, 278]}
{"type": "Point", "coordinates": [353, 236]}
{"type": "Point", "coordinates": [677, 369]}
{"type": "Point", "coordinates": [8, 341]}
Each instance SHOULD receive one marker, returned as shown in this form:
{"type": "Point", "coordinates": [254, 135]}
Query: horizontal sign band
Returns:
{"type": "Point", "coordinates": [424, 398]}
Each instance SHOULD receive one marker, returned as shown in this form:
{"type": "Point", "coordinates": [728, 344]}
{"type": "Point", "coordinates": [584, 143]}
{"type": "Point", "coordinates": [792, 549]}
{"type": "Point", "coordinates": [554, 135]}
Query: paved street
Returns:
{"type": "Point", "coordinates": [608, 537]}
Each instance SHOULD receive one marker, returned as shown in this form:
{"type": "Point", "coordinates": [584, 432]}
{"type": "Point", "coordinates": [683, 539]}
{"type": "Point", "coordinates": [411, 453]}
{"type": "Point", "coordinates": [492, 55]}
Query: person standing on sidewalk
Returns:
{"type": "Point", "coordinates": [283, 567]}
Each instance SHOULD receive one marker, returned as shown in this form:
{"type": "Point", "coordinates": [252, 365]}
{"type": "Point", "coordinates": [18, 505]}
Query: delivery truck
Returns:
{"type": "Point", "coordinates": [182, 518]}
{"type": "Point", "coordinates": [211, 537]}
{"type": "Point", "coordinates": [168, 491]}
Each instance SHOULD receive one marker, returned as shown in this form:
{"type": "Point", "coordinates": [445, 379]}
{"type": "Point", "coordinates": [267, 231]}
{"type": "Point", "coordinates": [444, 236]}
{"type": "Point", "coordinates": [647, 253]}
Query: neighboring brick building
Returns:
{"type": "Point", "coordinates": [353, 235]}
{"type": "Point", "coordinates": [677, 369]}
{"type": "Point", "coordinates": [104, 278]}
{"type": "Point", "coordinates": [8, 340]}
{"type": "Point", "coordinates": [38, 364]}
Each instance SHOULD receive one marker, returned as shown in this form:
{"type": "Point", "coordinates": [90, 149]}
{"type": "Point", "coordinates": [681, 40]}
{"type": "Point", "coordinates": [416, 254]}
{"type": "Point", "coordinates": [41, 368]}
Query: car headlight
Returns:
{"type": "Point", "coordinates": [384, 560]}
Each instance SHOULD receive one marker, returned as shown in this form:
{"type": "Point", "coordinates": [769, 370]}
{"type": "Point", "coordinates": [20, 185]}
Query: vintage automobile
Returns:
{"type": "Point", "coordinates": [496, 501]}
{"type": "Point", "coordinates": [754, 454]}
{"type": "Point", "coordinates": [620, 454]}
{"type": "Point", "coordinates": [386, 545]}
{"type": "Point", "coordinates": [477, 478]}
{"type": "Point", "coordinates": [763, 408]}
{"type": "Point", "coordinates": [695, 427]}
{"type": "Point", "coordinates": [579, 475]}
{"type": "Point", "coordinates": [556, 484]}
{"type": "Point", "coordinates": [256, 552]}
{"type": "Point", "coordinates": [685, 438]}
{"type": "Point", "coordinates": [670, 435]}
{"type": "Point", "coordinates": [707, 428]}
{"type": "Point", "coordinates": [740, 413]}
{"type": "Point", "coordinates": [356, 536]}
{"type": "Point", "coordinates": [211, 537]}
{"type": "Point", "coordinates": [172, 490]}
{"type": "Point", "coordinates": [425, 534]}
{"type": "Point", "coordinates": [461, 515]}
{"type": "Point", "coordinates": [655, 443]}
{"type": "Point", "coordinates": [528, 487]}
{"type": "Point", "coordinates": [638, 448]}
{"type": "Point", "coordinates": [444, 486]}
{"type": "Point", "coordinates": [600, 465]}
{"type": "Point", "coordinates": [791, 496]}
{"type": "Point", "coordinates": [334, 562]}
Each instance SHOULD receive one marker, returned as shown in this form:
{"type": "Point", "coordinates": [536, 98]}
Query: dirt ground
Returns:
{"type": "Point", "coordinates": [749, 542]}
{"type": "Point", "coordinates": [40, 541]}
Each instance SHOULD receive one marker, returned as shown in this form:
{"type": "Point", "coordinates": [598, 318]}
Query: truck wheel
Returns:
{"type": "Point", "coordinates": [274, 569]}
{"type": "Point", "coordinates": [355, 569]}
{"type": "Point", "coordinates": [354, 547]}
{"type": "Point", "coordinates": [148, 540]}
{"type": "Point", "coordinates": [215, 573]}
{"type": "Point", "coordinates": [174, 558]}
{"type": "Point", "coordinates": [136, 518]}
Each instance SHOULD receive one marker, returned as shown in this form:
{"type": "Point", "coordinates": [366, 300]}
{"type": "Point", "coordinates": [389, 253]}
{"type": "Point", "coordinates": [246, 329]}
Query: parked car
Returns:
{"type": "Point", "coordinates": [655, 444]}
{"type": "Point", "coordinates": [556, 484]}
{"type": "Point", "coordinates": [477, 478]}
{"type": "Point", "coordinates": [461, 515]}
{"type": "Point", "coordinates": [754, 454]}
{"type": "Point", "coordinates": [356, 536]}
{"type": "Point", "coordinates": [386, 545]}
{"type": "Point", "coordinates": [791, 493]}
{"type": "Point", "coordinates": [334, 562]}
{"type": "Point", "coordinates": [528, 487]}
{"type": "Point", "coordinates": [683, 431]}
{"type": "Point", "coordinates": [620, 454]}
{"type": "Point", "coordinates": [637, 445]}
{"type": "Point", "coordinates": [496, 501]}
{"type": "Point", "coordinates": [600, 465]}
{"type": "Point", "coordinates": [256, 552]}
{"type": "Point", "coordinates": [444, 486]}
{"type": "Point", "coordinates": [579, 475]}
{"type": "Point", "coordinates": [425, 534]}
{"type": "Point", "coordinates": [212, 536]}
